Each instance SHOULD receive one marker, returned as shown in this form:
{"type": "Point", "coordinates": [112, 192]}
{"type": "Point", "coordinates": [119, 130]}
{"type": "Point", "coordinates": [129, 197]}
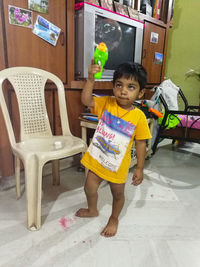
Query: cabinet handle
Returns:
{"type": "Point", "coordinates": [144, 53]}
{"type": "Point", "coordinates": [62, 38]}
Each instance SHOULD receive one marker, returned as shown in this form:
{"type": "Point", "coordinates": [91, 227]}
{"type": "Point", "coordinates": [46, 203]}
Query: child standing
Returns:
{"type": "Point", "coordinates": [109, 154]}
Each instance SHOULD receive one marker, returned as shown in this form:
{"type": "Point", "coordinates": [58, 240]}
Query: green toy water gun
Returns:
{"type": "Point", "coordinates": [100, 58]}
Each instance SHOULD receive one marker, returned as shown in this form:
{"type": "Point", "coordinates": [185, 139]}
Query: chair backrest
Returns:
{"type": "Point", "coordinates": [29, 86]}
{"type": "Point", "coordinates": [169, 92]}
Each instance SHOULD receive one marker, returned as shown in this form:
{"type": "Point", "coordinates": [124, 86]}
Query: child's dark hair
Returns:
{"type": "Point", "coordinates": [131, 70]}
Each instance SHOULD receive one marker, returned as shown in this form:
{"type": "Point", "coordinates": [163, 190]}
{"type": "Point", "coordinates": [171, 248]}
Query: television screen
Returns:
{"type": "Point", "coordinates": [119, 38]}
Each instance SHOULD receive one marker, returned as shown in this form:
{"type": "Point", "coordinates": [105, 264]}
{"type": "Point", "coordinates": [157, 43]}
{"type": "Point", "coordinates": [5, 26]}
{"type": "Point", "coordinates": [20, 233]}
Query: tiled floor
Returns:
{"type": "Point", "coordinates": [159, 226]}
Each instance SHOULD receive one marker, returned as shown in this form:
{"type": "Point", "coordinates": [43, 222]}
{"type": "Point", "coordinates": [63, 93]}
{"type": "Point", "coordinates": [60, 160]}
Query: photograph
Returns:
{"type": "Point", "coordinates": [134, 14]}
{"type": "Point", "coordinates": [121, 9]}
{"type": "Point", "coordinates": [46, 30]}
{"type": "Point", "coordinates": [20, 17]}
{"type": "Point", "coordinates": [154, 37]}
{"type": "Point", "coordinates": [158, 58]}
{"type": "Point", "coordinates": [41, 6]}
{"type": "Point", "coordinates": [107, 4]}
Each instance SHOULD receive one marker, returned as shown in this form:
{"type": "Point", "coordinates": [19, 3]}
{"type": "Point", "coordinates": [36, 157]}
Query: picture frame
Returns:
{"type": "Point", "coordinates": [121, 9]}
{"type": "Point", "coordinates": [133, 13]}
{"type": "Point", "coordinates": [107, 4]}
{"type": "Point", "coordinates": [93, 2]}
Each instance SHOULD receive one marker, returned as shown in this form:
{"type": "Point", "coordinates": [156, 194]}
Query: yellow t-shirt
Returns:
{"type": "Point", "coordinates": [109, 153]}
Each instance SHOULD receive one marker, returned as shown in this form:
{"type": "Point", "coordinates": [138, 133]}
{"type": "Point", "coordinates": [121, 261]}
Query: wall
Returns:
{"type": "Point", "coordinates": [183, 51]}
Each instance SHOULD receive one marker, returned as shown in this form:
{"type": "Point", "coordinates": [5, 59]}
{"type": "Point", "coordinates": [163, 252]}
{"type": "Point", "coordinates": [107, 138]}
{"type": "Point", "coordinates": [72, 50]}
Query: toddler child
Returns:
{"type": "Point", "coordinates": [109, 154]}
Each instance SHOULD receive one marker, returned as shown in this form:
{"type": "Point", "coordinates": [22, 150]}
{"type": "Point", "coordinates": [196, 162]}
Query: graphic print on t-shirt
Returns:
{"type": "Point", "coordinates": [110, 141]}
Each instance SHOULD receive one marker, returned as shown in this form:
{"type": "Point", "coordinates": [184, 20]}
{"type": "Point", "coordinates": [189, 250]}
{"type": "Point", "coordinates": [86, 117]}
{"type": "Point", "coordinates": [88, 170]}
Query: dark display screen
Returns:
{"type": "Point", "coordinates": [119, 38]}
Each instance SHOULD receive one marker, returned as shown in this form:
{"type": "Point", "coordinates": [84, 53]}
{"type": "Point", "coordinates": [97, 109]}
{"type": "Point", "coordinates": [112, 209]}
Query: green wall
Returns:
{"type": "Point", "coordinates": [183, 52]}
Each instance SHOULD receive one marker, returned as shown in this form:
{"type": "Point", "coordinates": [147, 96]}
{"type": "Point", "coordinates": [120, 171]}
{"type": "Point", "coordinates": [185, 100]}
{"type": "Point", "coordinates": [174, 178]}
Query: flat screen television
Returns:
{"type": "Point", "coordinates": [122, 35]}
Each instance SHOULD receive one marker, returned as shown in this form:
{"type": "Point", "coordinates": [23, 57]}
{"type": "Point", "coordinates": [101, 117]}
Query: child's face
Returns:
{"type": "Point", "coordinates": [126, 91]}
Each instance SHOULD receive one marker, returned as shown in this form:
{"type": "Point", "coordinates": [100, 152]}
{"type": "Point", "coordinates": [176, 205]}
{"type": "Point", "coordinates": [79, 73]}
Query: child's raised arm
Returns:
{"type": "Point", "coordinates": [86, 96]}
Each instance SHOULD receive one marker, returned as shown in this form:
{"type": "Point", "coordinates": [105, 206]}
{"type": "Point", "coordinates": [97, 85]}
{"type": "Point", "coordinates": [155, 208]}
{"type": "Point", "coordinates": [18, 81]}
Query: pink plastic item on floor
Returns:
{"type": "Point", "coordinates": [66, 223]}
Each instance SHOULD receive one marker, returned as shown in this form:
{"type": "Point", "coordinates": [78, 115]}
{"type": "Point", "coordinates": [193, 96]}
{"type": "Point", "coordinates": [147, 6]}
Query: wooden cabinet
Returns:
{"type": "Point", "coordinates": [26, 49]}
{"type": "Point", "coordinates": [20, 47]}
{"type": "Point", "coordinates": [2, 52]}
{"type": "Point", "coordinates": [150, 48]}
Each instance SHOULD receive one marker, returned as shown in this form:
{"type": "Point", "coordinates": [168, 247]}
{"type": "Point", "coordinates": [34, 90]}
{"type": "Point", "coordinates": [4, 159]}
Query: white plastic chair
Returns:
{"type": "Point", "coordinates": [37, 145]}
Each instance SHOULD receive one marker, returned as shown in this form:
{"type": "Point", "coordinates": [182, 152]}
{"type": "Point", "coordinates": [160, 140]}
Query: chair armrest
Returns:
{"type": "Point", "coordinates": [193, 107]}
{"type": "Point", "coordinates": [179, 112]}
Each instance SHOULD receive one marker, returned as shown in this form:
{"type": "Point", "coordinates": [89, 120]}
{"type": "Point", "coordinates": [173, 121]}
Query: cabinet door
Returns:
{"type": "Point", "coordinates": [2, 58]}
{"type": "Point", "coordinates": [26, 49]}
{"type": "Point", "coordinates": [150, 47]}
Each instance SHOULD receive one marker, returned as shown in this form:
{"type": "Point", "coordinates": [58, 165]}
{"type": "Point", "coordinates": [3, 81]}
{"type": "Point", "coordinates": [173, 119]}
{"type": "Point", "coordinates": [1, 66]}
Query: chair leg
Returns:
{"type": "Point", "coordinates": [33, 182]}
{"type": "Point", "coordinates": [155, 144]}
{"type": "Point", "coordinates": [17, 177]}
{"type": "Point", "coordinates": [56, 172]}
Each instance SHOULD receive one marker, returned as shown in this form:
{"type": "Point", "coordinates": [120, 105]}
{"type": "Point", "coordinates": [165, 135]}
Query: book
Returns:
{"type": "Point", "coordinates": [89, 116]}
{"type": "Point", "coordinates": [155, 8]}
{"type": "Point", "coordinates": [152, 4]}
{"type": "Point", "coordinates": [164, 11]}
{"type": "Point", "coordinates": [158, 9]}
{"type": "Point", "coordinates": [148, 10]}
{"type": "Point", "coordinates": [139, 5]}
{"type": "Point", "coordinates": [146, 7]}
{"type": "Point", "coordinates": [172, 10]}
{"type": "Point", "coordinates": [161, 9]}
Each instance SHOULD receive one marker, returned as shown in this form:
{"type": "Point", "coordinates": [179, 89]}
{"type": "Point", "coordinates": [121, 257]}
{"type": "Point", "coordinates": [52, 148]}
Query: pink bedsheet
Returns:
{"type": "Point", "coordinates": [187, 121]}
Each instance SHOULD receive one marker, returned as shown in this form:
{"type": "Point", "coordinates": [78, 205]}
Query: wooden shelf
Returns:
{"type": "Point", "coordinates": [143, 17]}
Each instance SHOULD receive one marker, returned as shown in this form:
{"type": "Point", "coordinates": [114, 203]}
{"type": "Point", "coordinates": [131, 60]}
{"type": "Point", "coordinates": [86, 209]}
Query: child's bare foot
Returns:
{"type": "Point", "coordinates": [86, 213]}
{"type": "Point", "coordinates": [111, 228]}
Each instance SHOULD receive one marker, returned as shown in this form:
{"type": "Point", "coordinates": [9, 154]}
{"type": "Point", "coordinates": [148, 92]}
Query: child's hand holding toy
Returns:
{"type": "Point", "coordinates": [100, 58]}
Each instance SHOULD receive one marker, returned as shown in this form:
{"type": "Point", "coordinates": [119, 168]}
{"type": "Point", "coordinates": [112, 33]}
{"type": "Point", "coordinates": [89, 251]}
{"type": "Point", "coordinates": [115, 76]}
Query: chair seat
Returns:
{"type": "Point", "coordinates": [55, 147]}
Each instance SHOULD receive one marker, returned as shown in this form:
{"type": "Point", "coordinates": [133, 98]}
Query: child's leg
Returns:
{"type": "Point", "coordinates": [91, 186]}
{"type": "Point", "coordinates": [118, 203]}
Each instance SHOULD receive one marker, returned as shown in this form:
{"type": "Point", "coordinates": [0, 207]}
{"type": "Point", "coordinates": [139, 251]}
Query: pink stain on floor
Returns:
{"type": "Point", "coordinates": [66, 223]}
